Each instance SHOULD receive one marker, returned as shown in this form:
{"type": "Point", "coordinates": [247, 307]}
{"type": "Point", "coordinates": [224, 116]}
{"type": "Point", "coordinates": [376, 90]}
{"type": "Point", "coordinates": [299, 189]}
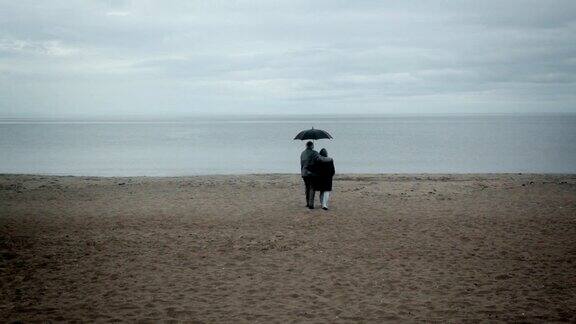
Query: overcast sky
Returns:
{"type": "Point", "coordinates": [171, 58]}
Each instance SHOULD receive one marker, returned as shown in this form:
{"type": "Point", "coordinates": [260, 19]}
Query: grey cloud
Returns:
{"type": "Point", "coordinates": [248, 56]}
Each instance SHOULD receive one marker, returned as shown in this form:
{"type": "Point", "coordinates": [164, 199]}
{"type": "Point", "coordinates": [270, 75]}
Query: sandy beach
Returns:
{"type": "Point", "coordinates": [213, 249]}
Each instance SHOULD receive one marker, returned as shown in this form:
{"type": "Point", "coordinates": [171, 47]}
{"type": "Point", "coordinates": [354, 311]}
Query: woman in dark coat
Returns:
{"type": "Point", "coordinates": [323, 181]}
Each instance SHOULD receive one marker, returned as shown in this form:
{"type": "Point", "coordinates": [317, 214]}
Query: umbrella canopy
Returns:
{"type": "Point", "coordinates": [312, 134]}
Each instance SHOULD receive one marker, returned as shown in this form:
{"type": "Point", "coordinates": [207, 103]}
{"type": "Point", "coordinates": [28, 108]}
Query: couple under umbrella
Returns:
{"type": "Point", "coordinates": [317, 168]}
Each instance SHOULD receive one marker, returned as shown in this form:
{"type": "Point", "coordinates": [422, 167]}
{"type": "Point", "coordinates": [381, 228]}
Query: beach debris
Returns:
{"type": "Point", "coordinates": [18, 187]}
{"type": "Point", "coordinates": [482, 186]}
{"type": "Point", "coordinates": [502, 277]}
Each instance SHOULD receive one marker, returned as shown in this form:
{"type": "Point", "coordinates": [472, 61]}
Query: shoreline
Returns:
{"type": "Point", "coordinates": [389, 174]}
{"type": "Point", "coordinates": [242, 248]}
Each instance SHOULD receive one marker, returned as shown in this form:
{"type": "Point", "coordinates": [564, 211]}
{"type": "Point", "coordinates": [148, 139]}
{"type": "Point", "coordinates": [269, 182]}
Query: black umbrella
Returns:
{"type": "Point", "coordinates": [312, 134]}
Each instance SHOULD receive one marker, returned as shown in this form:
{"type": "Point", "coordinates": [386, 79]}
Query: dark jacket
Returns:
{"type": "Point", "coordinates": [308, 158]}
{"type": "Point", "coordinates": [324, 171]}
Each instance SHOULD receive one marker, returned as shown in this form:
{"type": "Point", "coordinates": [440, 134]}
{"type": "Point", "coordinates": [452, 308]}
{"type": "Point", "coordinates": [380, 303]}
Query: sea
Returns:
{"type": "Point", "coordinates": [208, 145]}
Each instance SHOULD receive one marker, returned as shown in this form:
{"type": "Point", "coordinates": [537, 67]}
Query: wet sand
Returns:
{"type": "Point", "coordinates": [392, 248]}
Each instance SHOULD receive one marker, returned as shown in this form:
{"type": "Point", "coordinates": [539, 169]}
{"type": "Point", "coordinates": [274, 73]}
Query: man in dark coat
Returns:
{"type": "Point", "coordinates": [307, 160]}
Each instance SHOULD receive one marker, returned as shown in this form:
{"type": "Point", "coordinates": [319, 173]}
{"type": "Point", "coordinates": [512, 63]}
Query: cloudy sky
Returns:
{"type": "Point", "coordinates": [171, 58]}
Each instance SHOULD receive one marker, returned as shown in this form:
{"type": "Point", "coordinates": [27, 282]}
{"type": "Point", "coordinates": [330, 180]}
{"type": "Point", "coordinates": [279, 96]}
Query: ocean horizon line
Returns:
{"type": "Point", "coordinates": [191, 118]}
{"type": "Point", "coordinates": [344, 174]}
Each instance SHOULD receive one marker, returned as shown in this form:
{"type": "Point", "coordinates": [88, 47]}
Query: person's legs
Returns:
{"type": "Point", "coordinates": [309, 191]}
{"type": "Point", "coordinates": [311, 194]}
{"type": "Point", "coordinates": [325, 197]}
{"type": "Point", "coordinates": [322, 197]}
{"type": "Point", "coordinates": [306, 188]}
